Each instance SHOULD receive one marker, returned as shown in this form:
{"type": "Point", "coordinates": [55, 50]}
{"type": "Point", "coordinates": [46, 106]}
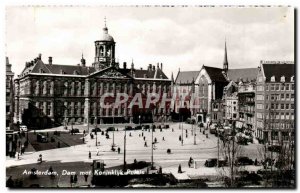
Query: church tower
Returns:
{"type": "Point", "coordinates": [104, 50]}
{"type": "Point", "coordinates": [225, 63]}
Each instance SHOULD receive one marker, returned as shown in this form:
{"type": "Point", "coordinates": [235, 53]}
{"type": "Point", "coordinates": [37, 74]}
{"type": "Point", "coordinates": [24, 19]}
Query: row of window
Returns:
{"type": "Point", "coordinates": [276, 115]}
{"type": "Point", "coordinates": [277, 87]}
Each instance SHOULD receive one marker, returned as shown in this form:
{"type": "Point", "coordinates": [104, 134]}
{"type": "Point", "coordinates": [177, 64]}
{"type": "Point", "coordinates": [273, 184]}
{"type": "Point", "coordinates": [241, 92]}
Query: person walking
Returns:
{"type": "Point", "coordinates": [90, 155]}
{"type": "Point", "coordinates": [98, 152]}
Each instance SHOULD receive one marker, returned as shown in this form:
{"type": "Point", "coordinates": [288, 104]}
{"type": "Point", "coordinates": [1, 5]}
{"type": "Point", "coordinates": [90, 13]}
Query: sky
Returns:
{"type": "Point", "coordinates": [178, 37]}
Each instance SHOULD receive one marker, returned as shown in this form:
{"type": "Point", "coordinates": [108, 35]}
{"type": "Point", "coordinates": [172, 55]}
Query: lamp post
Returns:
{"type": "Point", "coordinates": [152, 166]}
{"type": "Point", "coordinates": [124, 164]}
{"type": "Point", "coordinates": [140, 120]}
{"type": "Point", "coordinates": [113, 142]}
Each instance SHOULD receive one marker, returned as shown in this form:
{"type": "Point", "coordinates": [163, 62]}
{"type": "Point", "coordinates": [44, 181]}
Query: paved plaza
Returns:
{"type": "Point", "coordinates": [205, 148]}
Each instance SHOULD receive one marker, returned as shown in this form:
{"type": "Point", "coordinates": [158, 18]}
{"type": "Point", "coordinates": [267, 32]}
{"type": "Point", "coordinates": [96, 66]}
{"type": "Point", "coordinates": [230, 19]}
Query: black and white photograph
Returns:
{"type": "Point", "coordinates": [157, 97]}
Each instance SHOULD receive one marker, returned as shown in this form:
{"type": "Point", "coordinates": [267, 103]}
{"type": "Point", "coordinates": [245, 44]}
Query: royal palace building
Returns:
{"type": "Point", "coordinates": [48, 94]}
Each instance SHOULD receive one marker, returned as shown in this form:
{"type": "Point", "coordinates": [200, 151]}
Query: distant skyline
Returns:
{"type": "Point", "coordinates": [178, 37]}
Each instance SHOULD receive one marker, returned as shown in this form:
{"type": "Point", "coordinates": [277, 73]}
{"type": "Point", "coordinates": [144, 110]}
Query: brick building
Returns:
{"type": "Point", "coordinates": [275, 110]}
{"type": "Point", "coordinates": [50, 94]}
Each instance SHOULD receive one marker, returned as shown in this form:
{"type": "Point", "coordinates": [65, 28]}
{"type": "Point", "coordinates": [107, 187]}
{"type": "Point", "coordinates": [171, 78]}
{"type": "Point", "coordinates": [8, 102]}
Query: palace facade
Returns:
{"type": "Point", "coordinates": [48, 94]}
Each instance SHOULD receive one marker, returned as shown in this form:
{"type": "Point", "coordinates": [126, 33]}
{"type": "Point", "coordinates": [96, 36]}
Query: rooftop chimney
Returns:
{"type": "Point", "coordinates": [40, 56]}
{"type": "Point", "coordinates": [50, 60]}
{"type": "Point", "coordinates": [150, 67]}
{"type": "Point", "coordinates": [124, 65]}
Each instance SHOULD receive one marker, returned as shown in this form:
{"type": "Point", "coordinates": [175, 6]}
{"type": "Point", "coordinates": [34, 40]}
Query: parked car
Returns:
{"type": "Point", "coordinates": [244, 161]}
{"type": "Point", "coordinates": [41, 138]}
{"type": "Point", "coordinates": [146, 127]}
{"type": "Point", "coordinates": [211, 162]}
{"type": "Point", "coordinates": [23, 128]}
{"type": "Point", "coordinates": [96, 129]}
{"type": "Point", "coordinates": [138, 127]}
{"type": "Point", "coordinates": [127, 128]}
{"type": "Point", "coordinates": [74, 130]}
{"type": "Point", "coordinates": [110, 129]}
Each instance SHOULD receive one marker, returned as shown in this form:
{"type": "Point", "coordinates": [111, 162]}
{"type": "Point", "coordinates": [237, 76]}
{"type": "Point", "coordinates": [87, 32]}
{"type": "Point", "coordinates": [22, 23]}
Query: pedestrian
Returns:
{"type": "Point", "coordinates": [75, 178]}
{"type": "Point", "coordinates": [85, 177]}
{"type": "Point", "coordinates": [179, 169]}
{"type": "Point", "coordinates": [83, 132]}
{"type": "Point", "coordinates": [155, 140]}
{"type": "Point", "coordinates": [145, 145]}
{"type": "Point", "coordinates": [119, 150]}
{"type": "Point", "coordinates": [142, 133]}
{"type": "Point", "coordinates": [83, 140]}
{"type": "Point", "coordinates": [98, 151]}
{"type": "Point", "coordinates": [10, 182]}
{"type": "Point", "coordinates": [163, 138]}
{"type": "Point", "coordinates": [130, 134]}
{"type": "Point", "coordinates": [144, 138]}
{"type": "Point", "coordinates": [71, 180]}
{"type": "Point", "coordinates": [90, 155]}
{"type": "Point", "coordinates": [179, 137]}
{"type": "Point", "coordinates": [186, 135]}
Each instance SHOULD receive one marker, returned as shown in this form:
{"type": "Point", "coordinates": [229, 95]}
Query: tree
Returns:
{"type": "Point", "coordinates": [230, 150]}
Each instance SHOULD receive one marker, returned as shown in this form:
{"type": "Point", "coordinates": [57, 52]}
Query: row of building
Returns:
{"type": "Point", "coordinates": [258, 100]}
{"type": "Point", "coordinates": [47, 93]}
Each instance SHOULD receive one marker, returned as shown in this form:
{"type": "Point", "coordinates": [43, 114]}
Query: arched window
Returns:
{"type": "Point", "coordinates": [282, 79]}
{"type": "Point", "coordinates": [101, 51]}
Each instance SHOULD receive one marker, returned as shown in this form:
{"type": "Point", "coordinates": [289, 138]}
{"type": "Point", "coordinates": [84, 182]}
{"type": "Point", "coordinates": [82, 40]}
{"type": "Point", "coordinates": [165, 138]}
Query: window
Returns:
{"type": "Point", "coordinates": [287, 106]}
{"type": "Point", "coordinates": [260, 97]}
{"type": "Point", "coordinates": [272, 78]}
{"type": "Point", "coordinates": [260, 88]}
{"type": "Point", "coordinates": [287, 96]}
{"type": "Point", "coordinates": [282, 87]}
{"type": "Point", "coordinates": [260, 79]}
{"type": "Point", "coordinates": [292, 106]}
{"type": "Point", "coordinates": [272, 87]}
{"type": "Point", "coordinates": [293, 87]}
{"type": "Point", "coordinates": [259, 115]}
{"type": "Point", "coordinates": [260, 106]}
{"type": "Point", "coordinates": [277, 115]}
{"type": "Point", "coordinates": [282, 106]}
{"type": "Point", "coordinates": [282, 79]}
{"type": "Point", "coordinates": [287, 87]}
{"type": "Point", "coordinates": [281, 115]}
{"type": "Point", "coordinates": [267, 106]}
{"type": "Point", "coordinates": [292, 79]}
{"type": "Point", "coordinates": [292, 96]}
{"type": "Point", "coordinates": [277, 86]}
{"type": "Point", "coordinates": [267, 97]}
{"type": "Point", "coordinates": [267, 87]}
{"type": "Point", "coordinates": [272, 97]}
{"type": "Point", "coordinates": [277, 106]}
{"type": "Point", "coordinates": [282, 96]}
